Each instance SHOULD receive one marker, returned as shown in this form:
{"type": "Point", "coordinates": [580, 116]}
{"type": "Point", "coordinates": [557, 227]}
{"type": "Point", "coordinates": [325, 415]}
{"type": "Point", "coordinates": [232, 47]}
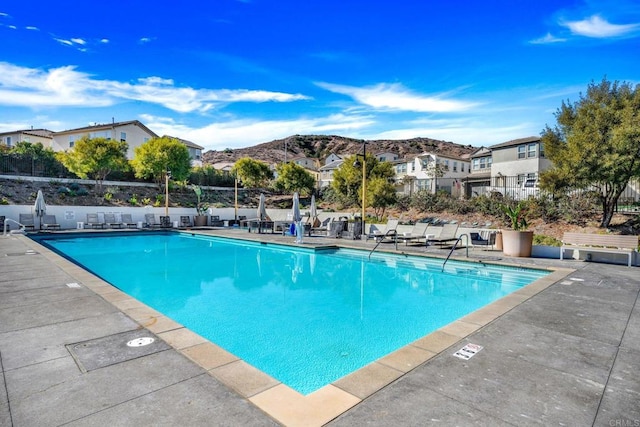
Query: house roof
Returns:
{"type": "Point", "coordinates": [108, 126]}
{"type": "Point", "coordinates": [43, 133]}
{"type": "Point", "coordinates": [515, 142]}
{"type": "Point", "coordinates": [333, 165]}
{"type": "Point", "coordinates": [185, 142]}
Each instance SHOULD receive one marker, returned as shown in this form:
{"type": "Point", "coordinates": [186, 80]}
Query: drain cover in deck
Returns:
{"type": "Point", "coordinates": [107, 351]}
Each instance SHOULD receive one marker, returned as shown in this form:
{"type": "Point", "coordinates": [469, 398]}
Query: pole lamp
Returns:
{"type": "Point", "coordinates": [167, 176]}
{"type": "Point", "coordinates": [364, 179]}
{"type": "Point", "coordinates": [236, 199]}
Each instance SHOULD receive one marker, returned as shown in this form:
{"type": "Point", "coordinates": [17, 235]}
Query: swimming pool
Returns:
{"type": "Point", "coordinates": [305, 317]}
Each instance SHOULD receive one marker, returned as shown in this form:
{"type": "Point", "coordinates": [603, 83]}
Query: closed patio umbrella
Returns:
{"type": "Point", "coordinates": [40, 207]}
{"type": "Point", "coordinates": [262, 208]}
{"type": "Point", "coordinates": [313, 212]}
{"type": "Point", "coordinates": [297, 218]}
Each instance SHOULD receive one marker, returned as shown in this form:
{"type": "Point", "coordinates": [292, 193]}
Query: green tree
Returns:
{"type": "Point", "coordinates": [158, 155]}
{"type": "Point", "coordinates": [293, 177]}
{"type": "Point", "coordinates": [596, 143]}
{"type": "Point", "coordinates": [252, 173]}
{"type": "Point", "coordinates": [380, 195]}
{"type": "Point", "coordinates": [35, 150]}
{"type": "Point", "coordinates": [347, 180]}
{"type": "Point", "coordinates": [95, 158]}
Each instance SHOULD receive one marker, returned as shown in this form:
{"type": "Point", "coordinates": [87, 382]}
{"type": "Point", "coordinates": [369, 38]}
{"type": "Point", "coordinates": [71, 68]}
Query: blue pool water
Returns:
{"type": "Point", "coordinates": [304, 317]}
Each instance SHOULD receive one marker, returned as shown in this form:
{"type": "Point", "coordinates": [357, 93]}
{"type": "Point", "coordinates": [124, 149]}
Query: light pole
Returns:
{"type": "Point", "coordinates": [236, 199]}
{"type": "Point", "coordinates": [167, 175]}
{"type": "Point", "coordinates": [364, 179]}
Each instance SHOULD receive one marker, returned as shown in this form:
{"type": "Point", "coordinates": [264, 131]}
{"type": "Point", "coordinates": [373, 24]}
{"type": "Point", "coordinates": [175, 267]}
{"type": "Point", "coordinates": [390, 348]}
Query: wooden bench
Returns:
{"type": "Point", "coordinates": [608, 243]}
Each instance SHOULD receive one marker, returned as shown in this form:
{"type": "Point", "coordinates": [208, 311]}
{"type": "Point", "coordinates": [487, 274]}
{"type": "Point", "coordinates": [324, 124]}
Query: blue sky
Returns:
{"type": "Point", "coordinates": [234, 73]}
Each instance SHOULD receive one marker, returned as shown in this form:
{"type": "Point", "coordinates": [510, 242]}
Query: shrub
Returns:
{"type": "Point", "coordinates": [541, 239]}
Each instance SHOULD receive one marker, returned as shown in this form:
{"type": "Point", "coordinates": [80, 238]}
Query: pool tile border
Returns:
{"type": "Point", "coordinates": [276, 399]}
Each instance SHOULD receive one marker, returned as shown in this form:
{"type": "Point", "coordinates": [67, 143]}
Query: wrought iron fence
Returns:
{"type": "Point", "coordinates": [26, 165]}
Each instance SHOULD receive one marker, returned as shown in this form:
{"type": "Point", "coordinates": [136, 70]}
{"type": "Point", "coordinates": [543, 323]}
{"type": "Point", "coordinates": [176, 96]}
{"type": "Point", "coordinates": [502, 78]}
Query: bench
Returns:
{"type": "Point", "coordinates": [608, 243]}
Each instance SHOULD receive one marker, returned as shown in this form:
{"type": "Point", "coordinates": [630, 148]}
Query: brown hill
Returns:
{"type": "Point", "coordinates": [320, 146]}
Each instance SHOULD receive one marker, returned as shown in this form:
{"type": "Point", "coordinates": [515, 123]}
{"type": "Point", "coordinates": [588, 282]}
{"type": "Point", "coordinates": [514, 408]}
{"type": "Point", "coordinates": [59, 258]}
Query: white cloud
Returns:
{"type": "Point", "coordinates": [597, 27]}
{"type": "Point", "coordinates": [34, 88]}
{"type": "Point", "coordinates": [104, 41]}
{"type": "Point", "coordinates": [78, 41]}
{"type": "Point", "coordinates": [144, 40]}
{"type": "Point", "coordinates": [397, 97]}
{"type": "Point", "coordinates": [547, 39]}
{"type": "Point", "coordinates": [32, 28]}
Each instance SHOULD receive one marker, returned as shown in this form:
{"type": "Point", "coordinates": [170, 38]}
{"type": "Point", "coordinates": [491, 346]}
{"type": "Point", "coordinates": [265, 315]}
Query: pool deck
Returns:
{"type": "Point", "coordinates": [562, 351]}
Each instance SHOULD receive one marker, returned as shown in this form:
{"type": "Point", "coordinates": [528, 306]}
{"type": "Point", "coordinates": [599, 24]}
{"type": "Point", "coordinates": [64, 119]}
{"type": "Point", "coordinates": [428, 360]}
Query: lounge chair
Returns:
{"type": "Point", "coordinates": [484, 238]}
{"type": "Point", "coordinates": [321, 228]}
{"type": "Point", "coordinates": [185, 221]}
{"type": "Point", "coordinates": [93, 221]}
{"type": "Point", "coordinates": [150, 221]}
{"type": "Point", "coordinates": [447, 234]}
{"type": "Point", "coordinates": [389, 231]}
{"type": "Point", "coordinates": [127, 221]}
{"type": "Point", "coordinates": [110, 221]}
{"type": "Point", "coordinates": [215, 221]}
{"type": "Point", "coordinates": [27, 221]}
{"type": "Point", "coordinates": [49, 222]}
{"type": "Point", "coordinates": [417, 233]}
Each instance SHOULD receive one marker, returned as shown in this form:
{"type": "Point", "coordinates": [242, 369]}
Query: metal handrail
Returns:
{"type": "Point", "coordinates": [395, 240]}
{"type": "Point", "coordinates": [22, 226]}
{"type": "Point", "coordinates": [453, 248]}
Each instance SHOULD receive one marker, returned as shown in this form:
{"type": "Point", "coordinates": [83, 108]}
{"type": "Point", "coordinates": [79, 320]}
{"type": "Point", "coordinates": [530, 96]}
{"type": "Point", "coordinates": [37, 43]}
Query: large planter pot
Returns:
{"type": "Point", "coordinates": [200, 220]}
{"type": "Point", "coordinates": [517, 243]}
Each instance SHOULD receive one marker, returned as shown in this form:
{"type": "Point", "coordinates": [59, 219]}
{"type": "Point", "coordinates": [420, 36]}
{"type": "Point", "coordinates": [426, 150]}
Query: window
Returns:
{"type": "Point", "coordinates": [461, 167]}
{"type": "Point", "coordinates": [531, 150]}
{"type": "Point", "coordinates": [476, 164]}
{"type": "Point", "coordinates": [483, 163]}
{"type": "Point", "coordinates": [72, 140]}
{"type": "Point", "coordinates": [541, 150]}
{"type": "Point", "coordinates": [123, 137]}
{"type": "Point", "coordinates": [8, 141]}
{"type": "Point", "coordinates": [26, 139]}
{"type": "Point", "coordinates": [521, 151]}
{"type": "Point", "coordinates": [455, 166]}
{"type": "Point", "coordinates": [413, 166]}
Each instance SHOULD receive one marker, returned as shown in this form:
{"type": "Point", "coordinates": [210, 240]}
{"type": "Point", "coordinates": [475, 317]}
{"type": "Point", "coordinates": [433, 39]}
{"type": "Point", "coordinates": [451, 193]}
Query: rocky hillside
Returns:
{"type": "Point", "coordinates": [320, 146]}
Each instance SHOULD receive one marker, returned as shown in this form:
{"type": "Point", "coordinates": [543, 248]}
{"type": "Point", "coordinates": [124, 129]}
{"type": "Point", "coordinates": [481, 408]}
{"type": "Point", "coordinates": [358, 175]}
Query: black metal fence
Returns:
{"type": "Point", "coordinates": [26, 165]}
{"type": "Point", "coordinates": [520, 188]}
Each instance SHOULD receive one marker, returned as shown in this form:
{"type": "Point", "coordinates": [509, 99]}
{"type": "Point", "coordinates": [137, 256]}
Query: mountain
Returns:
{"type": "Point", "coordinates": [320, 146]}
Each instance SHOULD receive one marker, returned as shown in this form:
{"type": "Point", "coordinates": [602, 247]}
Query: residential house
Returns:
{"type": "Point", "coordinates": [432, 172]}
{"type": "Point", "coordinates": [479, 179]}
{"type": "Point", "coordinates": [134, 133]}
{"type": "Point", "coordinates": [515, 161]}
{"type": "Point", "coordinates": [33, 136]}
{"type": "Point", "coordinates": [195, 151]}
{"type": "Point", "coordinates": [331, 163]}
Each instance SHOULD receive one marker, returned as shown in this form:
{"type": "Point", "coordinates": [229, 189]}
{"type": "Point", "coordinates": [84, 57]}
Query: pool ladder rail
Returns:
{"type": "Point", "coordinates": [21, 230]}
{"type": "Point", "coordinates": [453, 248]}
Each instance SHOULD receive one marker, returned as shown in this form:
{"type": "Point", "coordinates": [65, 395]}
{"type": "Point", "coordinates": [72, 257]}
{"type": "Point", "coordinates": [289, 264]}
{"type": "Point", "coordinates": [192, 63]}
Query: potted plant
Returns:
{"type": "Point", "coordinates": [518, 241]}
{"type": "Point", "coordinates": [201, 208]}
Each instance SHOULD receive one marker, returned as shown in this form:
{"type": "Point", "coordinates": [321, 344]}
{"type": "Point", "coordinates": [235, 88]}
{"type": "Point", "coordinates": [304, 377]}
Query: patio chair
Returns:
{"type": "Point", "coordinates": [216, 221]}
{"type": "Point", "coordinates": [417, 233]}
{"type": "Point", "coordinates": [185, 221]}
{"type": "Point", "coordinates": [110, 221]}
{"type": "Point", "coordinates": [127, 221]}
{"type": "Point", "coordinates": [322, 227]}
{"type": "Point", "coordinates": [93, 221]}
{"type": "Point", "coordinates": [27, 221]}
{"type": "Point", "coordinates": [484, 238]}
{"type": "Point", "coordinates": [390, 229]}
{"type": "Point", "coordinates": [150, 221]}
{"type": "Point", "coordinates": [447, 234]}
{"type": "Point", "coordinates": [49, 222]}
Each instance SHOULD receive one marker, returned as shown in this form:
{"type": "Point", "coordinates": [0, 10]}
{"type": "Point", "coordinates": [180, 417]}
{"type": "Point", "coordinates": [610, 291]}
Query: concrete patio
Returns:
{"type": "Point", "coordinates": [567, 355]}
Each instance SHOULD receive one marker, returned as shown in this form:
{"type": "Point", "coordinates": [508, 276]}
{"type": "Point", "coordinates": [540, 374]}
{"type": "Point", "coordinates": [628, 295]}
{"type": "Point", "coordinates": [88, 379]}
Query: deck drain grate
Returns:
{"type": "Point", "coordinates": [110, 350]}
